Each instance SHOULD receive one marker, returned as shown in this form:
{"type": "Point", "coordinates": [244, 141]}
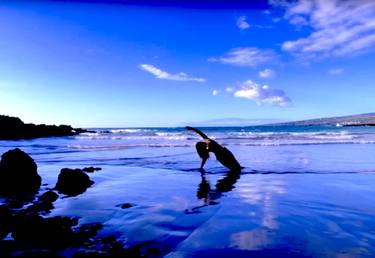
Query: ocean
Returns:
{"type": "Point", "coordinates": [304, 191]}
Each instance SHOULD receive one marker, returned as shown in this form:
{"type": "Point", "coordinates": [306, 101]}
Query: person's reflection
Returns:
{"type": "Point", "coordinates": [204, 188]}
{"type": "Point", "coordinates": [226, 184]}
{"type": "Point", "coordinates": [208, 195]}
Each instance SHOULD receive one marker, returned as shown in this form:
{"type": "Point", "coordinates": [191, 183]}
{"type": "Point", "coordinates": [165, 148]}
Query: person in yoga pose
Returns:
{"type": "Point", "coordinates": [223, 155]}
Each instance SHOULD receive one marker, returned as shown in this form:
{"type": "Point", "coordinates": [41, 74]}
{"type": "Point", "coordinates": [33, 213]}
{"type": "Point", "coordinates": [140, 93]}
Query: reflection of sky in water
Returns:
{"type": "Point", "coordinates": [299, 215]}
{"type": "Point", "coordinates": [259, 192]}
{"type": "Point", "coordinates": [250, 206]}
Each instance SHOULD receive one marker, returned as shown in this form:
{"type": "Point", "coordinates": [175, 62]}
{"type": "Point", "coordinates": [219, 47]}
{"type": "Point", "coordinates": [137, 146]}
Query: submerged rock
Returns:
{"type": "Point", "coordinates": [91, 169]}
{"type": "Point", "coordinates": [52, 233]}
{"type": "Point", "coordinates": [126, 205]}
{"type": "Point", "coordinates": [18, 173]}
{"type": "Point", "coordinates": [109, 247]}
{"type": "Point", "coordinates": [73, 182]}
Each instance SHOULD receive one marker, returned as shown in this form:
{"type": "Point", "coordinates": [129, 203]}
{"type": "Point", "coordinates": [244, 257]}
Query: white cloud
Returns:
{"type": "Point", "coordinates": [267, 73]}
{"type": "Point", "coordinates": [229, 89]}
{"type": "Point", "coordinates": [249, 56]}
{"type": "Point", "coordinates": [160, 74]}
{"type": "Point", "coordinates": [242, 24]}
{"type": "Point", "coordinates": [262, 94]}
{"type": "Point", "coordinates": [268, 12]}
{"type": "Point", "coordinates": [336, 71]}
{"type": "Point", "coordinates": [215, 92]}
{"type": "Point", "coordinates": [339, 28]}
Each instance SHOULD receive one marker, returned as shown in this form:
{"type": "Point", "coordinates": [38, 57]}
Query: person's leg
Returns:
{"type": "Point", "coordinates": [227, 159]}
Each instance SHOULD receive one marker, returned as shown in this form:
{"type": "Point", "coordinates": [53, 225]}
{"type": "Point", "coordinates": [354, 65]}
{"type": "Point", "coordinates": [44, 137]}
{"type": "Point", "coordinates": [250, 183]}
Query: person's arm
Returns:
{"type": "Point", "coordinates": [202, 152]}
{"type": "Point", "coordinates": [203, 161]}
{"type": "Point", "coordinates": [197, 131]}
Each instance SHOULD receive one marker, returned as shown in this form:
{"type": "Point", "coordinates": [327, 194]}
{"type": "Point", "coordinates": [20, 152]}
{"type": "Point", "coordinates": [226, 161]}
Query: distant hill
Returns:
{"type": "Point", "coordinates": [232, 122]}
{"type": "Point", "coordinates": [352, 120]}
{"type": "Point", "coordinates": [12, 128]}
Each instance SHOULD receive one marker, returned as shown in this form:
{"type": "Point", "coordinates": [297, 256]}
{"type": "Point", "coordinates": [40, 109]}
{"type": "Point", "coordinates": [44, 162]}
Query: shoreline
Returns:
{"type": "Point", "coordinates": [155, 202]}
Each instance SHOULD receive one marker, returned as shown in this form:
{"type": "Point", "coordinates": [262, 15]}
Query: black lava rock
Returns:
{"type": "Point", "coordinates": [88, 231]}
{"type": "Point", "coordinates": [73, 182]}
{"type": "Point", "coordinates": [18, 173]}
{"type": "Point", "coordinates": [7, 247]}
{"type": "Point", "coordinates": [49, 196]}
{"type": "Point", "coordinates": [13, 128]}
{"type": "Point", "coordinates": [44, 204]}
{"type": "Point", "coordinates": [38, 254]}
{"type": "Point", "coordinates": [91, 254]}
{"type": "Point", "coordinates": [6, 221]}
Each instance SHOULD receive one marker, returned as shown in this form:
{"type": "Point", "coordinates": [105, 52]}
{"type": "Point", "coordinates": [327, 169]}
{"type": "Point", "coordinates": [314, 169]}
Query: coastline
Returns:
{"type": "Point", "coordinates": [13, 128]}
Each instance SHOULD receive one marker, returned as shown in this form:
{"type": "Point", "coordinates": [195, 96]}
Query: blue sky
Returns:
{"type": "Point", "coordinates": [112, 65]}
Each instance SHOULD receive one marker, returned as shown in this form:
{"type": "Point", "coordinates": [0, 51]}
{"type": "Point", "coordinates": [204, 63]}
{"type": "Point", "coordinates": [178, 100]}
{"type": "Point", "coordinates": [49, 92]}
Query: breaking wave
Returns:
{"type": "Point", "coordinates": [255, 136]}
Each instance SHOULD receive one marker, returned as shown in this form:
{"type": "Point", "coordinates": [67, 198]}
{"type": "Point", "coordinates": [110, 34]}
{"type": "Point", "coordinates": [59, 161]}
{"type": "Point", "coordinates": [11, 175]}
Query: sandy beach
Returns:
{"type": "Point", "coordinates": [293, 200]}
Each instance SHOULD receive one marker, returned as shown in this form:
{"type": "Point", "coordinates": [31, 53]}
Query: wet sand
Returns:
{"type": "Point", "coordinates": [290, 201]}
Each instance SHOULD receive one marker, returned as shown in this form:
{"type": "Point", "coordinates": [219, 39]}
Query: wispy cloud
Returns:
{"type": "Point", "coordinates": [242, 23]}
{"type": "Point", "coordinates": [215, 92]}
{"type": "Point", "coordinates": [262, 94]}
{"type": "Point", "coordinates": [249, 56]}
{"type": "Point", "coordinates": [267, 73]}
{"type": "Point", "coordinates": [160, 74]}
{"type": "Point", "coordinates": [339, 28]}
{"type": "Point", "coordinates": [336, 71]}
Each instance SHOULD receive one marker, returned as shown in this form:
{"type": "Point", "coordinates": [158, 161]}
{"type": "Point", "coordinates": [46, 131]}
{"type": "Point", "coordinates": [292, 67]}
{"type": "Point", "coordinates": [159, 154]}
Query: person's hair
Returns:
{"type": "Point", "coordinates": [202, 150]}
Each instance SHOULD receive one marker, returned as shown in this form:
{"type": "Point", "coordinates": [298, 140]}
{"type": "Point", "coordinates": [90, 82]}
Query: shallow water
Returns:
{"type": "Point", "coordinates": [291, 200]}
